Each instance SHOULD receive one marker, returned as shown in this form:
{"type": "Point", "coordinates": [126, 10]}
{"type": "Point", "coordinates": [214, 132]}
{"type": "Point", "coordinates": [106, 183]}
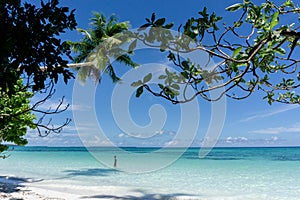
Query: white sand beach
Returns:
{"type": "Point", "coordinates": [12, 188]}
{"type": "Point", "coordinates": [19, 188]}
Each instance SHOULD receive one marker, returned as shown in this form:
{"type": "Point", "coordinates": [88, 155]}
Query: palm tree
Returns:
{"type": "Point", "coordinates": [101, 44]}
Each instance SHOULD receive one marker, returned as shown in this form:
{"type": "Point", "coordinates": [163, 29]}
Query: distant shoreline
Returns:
{"type": "Point", "coordinates": [131, 147]}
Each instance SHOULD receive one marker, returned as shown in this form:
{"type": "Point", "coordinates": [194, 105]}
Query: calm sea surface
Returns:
{"type": "Point", "coordinates": [225, 173]}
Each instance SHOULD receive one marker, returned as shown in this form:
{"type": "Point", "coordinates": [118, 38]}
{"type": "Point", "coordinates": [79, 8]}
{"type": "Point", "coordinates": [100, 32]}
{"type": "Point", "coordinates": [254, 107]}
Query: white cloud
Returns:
{"type": "Point", "coordinates": [172, 143]}
{"type": "Point", "coordinates": [92, 140]}
{"type": "Point", "coordinates": [80, 107]}
{"type": "Point", "coordinates": [270, 113]}
{"type": "Point", "coordinates": [274, 138]}
{"type": "Point", "coordinates": [278, 130]}
{"type": "Point", "coordinates": [121, 135]}
{"type": "Point", "coordinates": [86, 127]}
{"type": "Point", "coordinates": [69, 128]}
{"type": "Point", "coordinates": [61, 139]}
{"type": "Point", "coordinates": [231, 140]}
{"type": "Point", "coordinates": [160, 132]}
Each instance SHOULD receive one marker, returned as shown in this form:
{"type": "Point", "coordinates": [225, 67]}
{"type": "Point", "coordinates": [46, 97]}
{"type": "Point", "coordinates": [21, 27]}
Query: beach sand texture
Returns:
{"type": "Point", "coordinates": [12, 188]}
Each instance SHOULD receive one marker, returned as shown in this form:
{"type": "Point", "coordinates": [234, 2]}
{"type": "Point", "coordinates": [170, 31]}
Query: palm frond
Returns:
{"type": "Point", "coordinates": [99, 43]}
{"type": "Point", "coordinates": [117, 28]}
{"type": "Point", "coordinates": [85, 32]}
{"type": "Point", "coordinates": [111, 72]}
{"type": "Point", "coordinates": [125, 59]}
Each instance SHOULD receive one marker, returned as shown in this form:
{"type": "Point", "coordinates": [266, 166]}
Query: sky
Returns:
{"type": "Point", "coordinates": [101, 113]}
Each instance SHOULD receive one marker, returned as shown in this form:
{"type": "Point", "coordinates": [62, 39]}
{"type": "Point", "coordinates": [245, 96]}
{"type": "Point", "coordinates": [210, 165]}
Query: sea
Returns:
{"type": "Point", "coordinates": [224, 173]}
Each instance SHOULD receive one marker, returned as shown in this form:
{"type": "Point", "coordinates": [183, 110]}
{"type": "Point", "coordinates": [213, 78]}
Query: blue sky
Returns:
{"type": "Point", "coordinates": [250, 122]}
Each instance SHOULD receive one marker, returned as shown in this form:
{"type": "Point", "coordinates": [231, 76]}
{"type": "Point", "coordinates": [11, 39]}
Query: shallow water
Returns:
{"type": "Point", "coordinates": [226, 173]}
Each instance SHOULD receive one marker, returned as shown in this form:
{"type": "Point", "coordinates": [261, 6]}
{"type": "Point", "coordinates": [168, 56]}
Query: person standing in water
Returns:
{"type": "Point", "coordinates": [115, 161]}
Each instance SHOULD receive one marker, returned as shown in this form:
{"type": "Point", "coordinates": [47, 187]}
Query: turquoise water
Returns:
{"type": "Point", "coordinates": [226, 173]}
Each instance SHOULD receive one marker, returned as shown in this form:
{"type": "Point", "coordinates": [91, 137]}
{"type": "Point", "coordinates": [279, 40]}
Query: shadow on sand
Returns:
{"type": "Point", "coordinates": [10, 185]}
{"type": "Point", "coordinates": [144, 195]}
{"type": "Point", "coordinates": [91, 172]}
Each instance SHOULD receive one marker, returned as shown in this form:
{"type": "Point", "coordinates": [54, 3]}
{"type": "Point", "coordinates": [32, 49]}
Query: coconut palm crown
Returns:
{"type": "Point", "coordinates": [101, 45]}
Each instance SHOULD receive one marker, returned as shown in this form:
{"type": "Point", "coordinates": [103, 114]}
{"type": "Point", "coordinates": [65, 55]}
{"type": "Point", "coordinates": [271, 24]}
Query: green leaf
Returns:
{"type": "Point", "coordinates": [289, 3]}
{"type": "Point", "coordinates": [203, 13]}
{"type": "Point", "coordinates": [144, 27]}
{"type": "Point", "coordinates": [132, 46]}
{"type": "Point", "coordinates": [162, 47]}
{"type": "Point", "coordinates": [269, 97]}
{"type": "Point", "coordinates": [238, 24]}
{"type": "Point", "coordinates": [167, 72]}
{"type": "Point", "coordinates": [274, 20]}
{"type": "Point", "coordinates": [137, 83]}
{"type": "Point", "coordinates": [236, 51]}
{"type": "Point", "coordinates": [153, 17]}
{"type": "Point", "coordinates": [175, 86]}
{"type": "Point", "coordinates": [290, 82]}
{"type": "Point", "coordinates": [176, 93]}
{"type": "Point", "coordinates": [161, 86]}
{"type": "Point", "coordinates": [147, 78]}
{"type": "Point", "coordinates": [234, 7]}
{"type": "Point", "coordinates": [168, 26]}
{"type": "Point", "coordinates": [185, 64]}
{"type": "Point", "coordinates": [247, 2]}
{"type": "Point", "coordinates": [171, 56]}
{"type": "Point", "coordinates": [280, 50]}
{"type": "Point", "coordinates": [162, 77]}
{"type": "Point", "coordinates": [234, 67]}
{"type": "Point", "coordinates": [185, 74]}
{"type": "Point", "coordinates": [160, 22]}
{"type": "Point", "coordinates": [139, 91]}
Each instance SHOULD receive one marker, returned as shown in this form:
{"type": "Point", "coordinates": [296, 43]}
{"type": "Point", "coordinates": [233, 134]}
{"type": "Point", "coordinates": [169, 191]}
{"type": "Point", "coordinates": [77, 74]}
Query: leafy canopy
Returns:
{"type": "Point", "coordinates": [29, 39]}
{"type": "Point", "coordinates": [256, 52]}
{"type": "Point", "coordinates": [15, 117]}
{"type": "Point", "coordinates": [31, 55]}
